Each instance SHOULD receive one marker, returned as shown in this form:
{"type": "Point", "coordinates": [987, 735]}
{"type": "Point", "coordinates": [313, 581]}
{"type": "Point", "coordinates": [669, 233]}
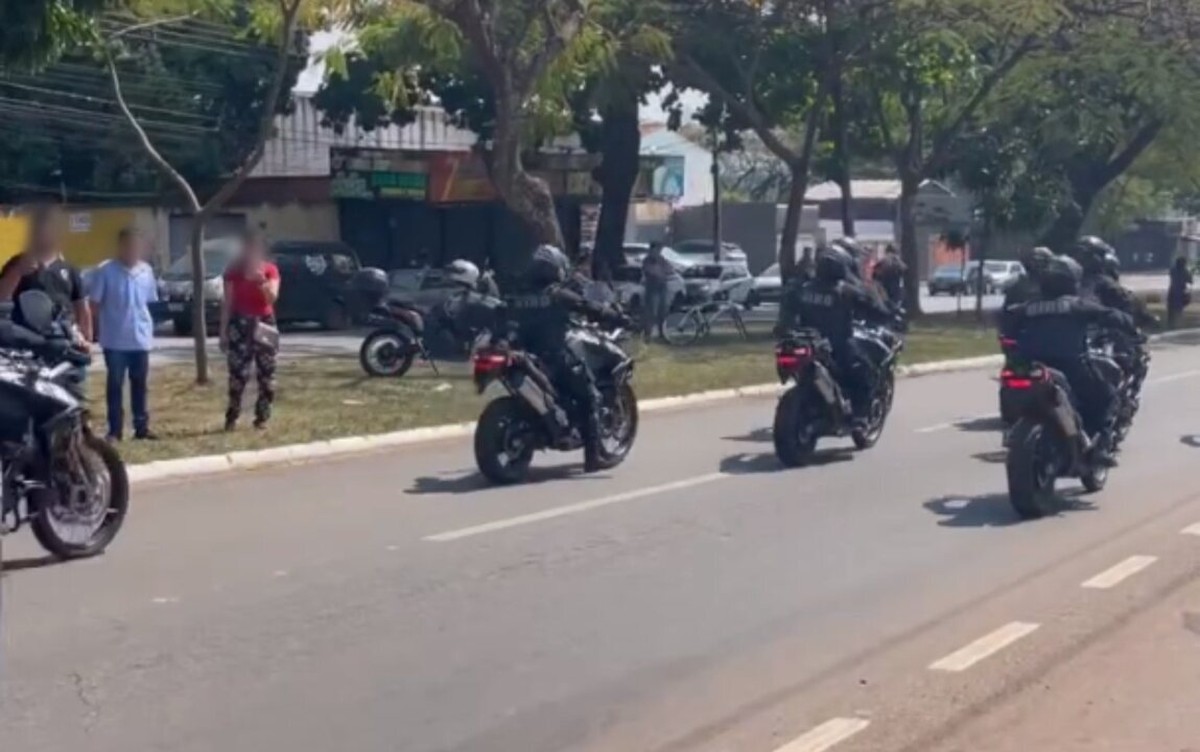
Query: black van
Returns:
{"type": "Point", "coordinates": [314, 282]}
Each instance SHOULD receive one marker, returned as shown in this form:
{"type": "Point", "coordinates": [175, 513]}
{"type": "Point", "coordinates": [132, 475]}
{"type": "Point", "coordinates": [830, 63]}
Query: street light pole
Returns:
{"type": "Point", "coordinates": [716, 178]}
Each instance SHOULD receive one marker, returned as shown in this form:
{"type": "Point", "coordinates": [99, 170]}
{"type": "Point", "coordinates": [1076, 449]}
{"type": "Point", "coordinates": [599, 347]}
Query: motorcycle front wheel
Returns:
{"type": "Point", "coordinates": [618, 426]}
{"type": "Point", "coordinates": [505, 441]}
{"type": "Point", "coordinates": [881, 407]}
{"type": "Point", "coordinates": [98, 510]}
{"type": "Point", "coordinates": [1032, 469]}
{"type": "Point", "coordinates": [386, 353]}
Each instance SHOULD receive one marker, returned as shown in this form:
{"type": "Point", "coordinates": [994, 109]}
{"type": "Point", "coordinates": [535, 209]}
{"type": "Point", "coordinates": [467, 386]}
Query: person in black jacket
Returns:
{"type": "Point", "coordinates": [889, 275]}
{"type": "Point", "coordinates": [1027, 287]}
{"type": "Point", "coordinates": [542, 314]}
{"type": "Point", "coordinates": [830, 303]}
{"type": "Point", "coordinates": [1100, 281]}
{"type": "Point", "coordinates": [1053, 330]}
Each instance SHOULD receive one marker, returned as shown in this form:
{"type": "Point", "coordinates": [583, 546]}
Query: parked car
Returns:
{"type": "Point", "coordinates": [728, 280]}
{"type": "Point", "coordinates": [998, 275]}
{"type": "Point", "coordinates": [175, 286]}
{"type": "Point", "coordinates": [954, 279]}
{"type": "Point", "coordinates": [767, 287]}
{"type": "Point", "coordinates": [701, 251]}
{"type": "Point", "coordinates": [314, 282]}
{"type": "Point", "coordinates": [635, 253]}
{"type": "Point", "coordinates": [423, 288]}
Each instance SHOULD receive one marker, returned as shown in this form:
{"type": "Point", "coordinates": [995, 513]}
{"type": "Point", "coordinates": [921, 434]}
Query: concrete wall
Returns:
{"type": "Point", "coordinates": [295, 221]}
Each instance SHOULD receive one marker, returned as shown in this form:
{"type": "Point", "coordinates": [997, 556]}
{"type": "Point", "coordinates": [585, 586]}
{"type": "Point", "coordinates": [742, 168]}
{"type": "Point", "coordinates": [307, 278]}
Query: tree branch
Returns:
{"type": "Point", "coordinates": [1125, 158]}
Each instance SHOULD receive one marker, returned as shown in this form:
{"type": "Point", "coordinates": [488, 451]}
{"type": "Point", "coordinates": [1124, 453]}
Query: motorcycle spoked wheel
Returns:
{"type": "Point", "coordinates": [1032, 468]}
{"type": "Point", "coordinates": [795, 430]}
{"type": "Point", "coordinates": [98, 496]}
{"type": "Point", "coordinates": [386, 354]}
{"type": "Point", "coordinates": [618, 426]}
{"type": "Point", "coordinates": [505, 441]}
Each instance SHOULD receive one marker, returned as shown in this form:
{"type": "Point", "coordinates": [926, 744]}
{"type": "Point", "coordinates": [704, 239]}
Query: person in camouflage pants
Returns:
{"type": "Point", "coordinates": [243, 353]}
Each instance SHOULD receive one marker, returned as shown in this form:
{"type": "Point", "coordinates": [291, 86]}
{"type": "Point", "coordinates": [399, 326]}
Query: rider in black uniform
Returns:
{"type": "Point", "coordinates": [543, 312]}
{"type": "Point", "coordinates": [1053, 330]}
{"type": "Point", "coordinates": [830, 303]}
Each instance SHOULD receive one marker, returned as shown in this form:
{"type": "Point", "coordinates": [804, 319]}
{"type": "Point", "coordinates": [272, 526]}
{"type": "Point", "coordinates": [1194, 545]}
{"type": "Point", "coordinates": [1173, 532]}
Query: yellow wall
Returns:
{"type": "Point", "coordinates": [12, 237]}
{"type": "Point", "coordinates": [91, 234]}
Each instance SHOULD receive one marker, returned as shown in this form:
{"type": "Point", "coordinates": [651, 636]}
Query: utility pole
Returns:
{"type": "Point", "coordinates": [716, 178]}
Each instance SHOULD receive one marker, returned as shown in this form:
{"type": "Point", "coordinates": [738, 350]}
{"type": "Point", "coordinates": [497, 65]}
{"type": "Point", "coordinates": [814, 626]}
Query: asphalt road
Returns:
{"type": "Point", "coordinates": [697, 599]}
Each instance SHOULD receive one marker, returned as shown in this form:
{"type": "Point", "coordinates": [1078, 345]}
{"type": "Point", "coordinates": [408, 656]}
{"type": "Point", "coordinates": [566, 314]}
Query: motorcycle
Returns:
{"type": "Point", "coordinates": [815, 406]}
{"type": "Point", "coordinates": [1048, 441]}
{"type": "Point", "coordinates": [56, 475]}
{"type": "Point", "coordinates": [534, 415]}
{"type": "Point", "coordinates": [401, 331]}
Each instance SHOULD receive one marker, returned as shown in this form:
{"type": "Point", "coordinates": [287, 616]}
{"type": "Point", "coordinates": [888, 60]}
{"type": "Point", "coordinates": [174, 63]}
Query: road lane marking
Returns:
{"type": "Point", "coordinates": [1175, 377]}
{"type": "Point", "coordinates": [956, 423]}
{"type": "Point", "coordinates": [1121, 572]}
{"type": "Point", "coordinates": [1191, 529]}
{"type": "Point", "coordinates": [984, 647]}
{"type": "Point", "coordinates": [563, 511]}
{"type": "Point", "coordinates": [163, 601]}
{"type": "Point", "coordinates": [826, 736]}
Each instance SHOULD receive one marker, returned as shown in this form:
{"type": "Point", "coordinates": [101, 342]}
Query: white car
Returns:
{"type": "Point", "coordinates": [1000, 274]}
{"type": "Point", "coordinates": [701, 251]}
{"type": "Point", "coordinates": [767, 287]}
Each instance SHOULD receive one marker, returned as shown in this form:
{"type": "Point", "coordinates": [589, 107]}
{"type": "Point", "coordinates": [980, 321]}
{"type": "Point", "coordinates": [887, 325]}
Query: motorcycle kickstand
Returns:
{"type": "Point", "coordinates": [428, 359]}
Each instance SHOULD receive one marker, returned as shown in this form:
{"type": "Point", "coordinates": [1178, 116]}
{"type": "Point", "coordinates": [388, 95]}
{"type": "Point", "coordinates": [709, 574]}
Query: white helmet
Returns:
{"type": "Point", "coordinates": [463, 272]}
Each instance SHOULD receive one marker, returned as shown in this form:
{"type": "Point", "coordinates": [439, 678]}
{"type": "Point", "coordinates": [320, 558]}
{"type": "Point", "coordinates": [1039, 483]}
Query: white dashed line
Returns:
{"type": "Point", "coordinates": [165, 601]}
{"type": "Point", "coordinates": [984, 647]}
{"type": "Point", "coordinates": [1191, 529]}
{"type": "Point", "coordinates": [563, 511]}
{"type": "Point", "coordinates": [280, 573]}
{"type": "Point", "coordinates": [1121, 572]}
{"type": "Point", "coordinates": [826, 736]}
{"type": "Point", "coordinates": [954, 423]}
{"type": "Point", "coordinates": [1175, 377]}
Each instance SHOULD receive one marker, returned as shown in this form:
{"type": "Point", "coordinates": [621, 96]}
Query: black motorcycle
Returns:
{"type": "Point", "coordinates": [403, 332]}
{"type": "Point", "coordinates": [534, 415]}
{"type": "Point", "coordinates": [69, 485]}
{"type": "Point", "coordinates": [1048, 441]}
{"type": "Point", "coordinates": [816, 407]}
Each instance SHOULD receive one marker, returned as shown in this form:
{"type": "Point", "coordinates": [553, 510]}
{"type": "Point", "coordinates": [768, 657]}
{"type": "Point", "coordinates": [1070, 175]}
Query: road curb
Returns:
{"type": "Point", "coordinates": [294, 454]}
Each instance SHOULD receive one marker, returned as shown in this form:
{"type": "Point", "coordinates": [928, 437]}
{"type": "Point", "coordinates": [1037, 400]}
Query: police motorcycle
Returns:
{"type": "Point", "coordinates": [69, 485]}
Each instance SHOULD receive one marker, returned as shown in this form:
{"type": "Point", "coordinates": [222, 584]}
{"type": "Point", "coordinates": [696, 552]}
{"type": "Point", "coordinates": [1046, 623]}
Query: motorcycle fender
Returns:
{"type": "Point", "coordinates": [538, 399]}
{"type": "Point", "coordinates": [1064, 416]}
{"type": "Point", "coordinates": [825, 384]}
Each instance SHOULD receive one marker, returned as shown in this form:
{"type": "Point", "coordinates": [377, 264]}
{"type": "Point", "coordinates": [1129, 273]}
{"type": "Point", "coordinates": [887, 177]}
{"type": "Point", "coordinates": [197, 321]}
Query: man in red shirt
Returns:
{"type": "Point", "coordinates": [248, 331]}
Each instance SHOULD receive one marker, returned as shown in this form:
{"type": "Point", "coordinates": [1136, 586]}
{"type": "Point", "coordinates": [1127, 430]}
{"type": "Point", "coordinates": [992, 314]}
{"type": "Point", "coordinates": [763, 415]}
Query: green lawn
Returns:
{"type": "Point", "coordinates": [325, 398]}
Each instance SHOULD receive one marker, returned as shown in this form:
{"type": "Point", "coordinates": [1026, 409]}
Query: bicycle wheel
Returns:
{"type": "Point", "coordinates": [683, 327]}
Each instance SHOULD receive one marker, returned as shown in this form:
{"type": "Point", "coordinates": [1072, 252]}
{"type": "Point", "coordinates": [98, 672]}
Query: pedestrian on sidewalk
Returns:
{"type": "Point", "coordinates": [41, 266]}
{"type": "Point", "coordinates": [656, 275]}
{"type": "Point", "coordinates": [1179, 291]}
{"type": "Point", "coordinates": [249, 334]}
{"type": "Point", "coordinates": [121, 293]}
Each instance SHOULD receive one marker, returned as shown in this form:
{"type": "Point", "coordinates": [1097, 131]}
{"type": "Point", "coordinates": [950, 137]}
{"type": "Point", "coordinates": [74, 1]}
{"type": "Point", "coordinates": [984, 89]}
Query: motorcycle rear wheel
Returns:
{"type": "Point", "coordinates": [794, 433]}
{"type": "Point", "coordinates": [503, 441]}
{"type": "Point", "coordinates": [43, 524]}
{"type": "Point", "coordinates": [1032, 470]}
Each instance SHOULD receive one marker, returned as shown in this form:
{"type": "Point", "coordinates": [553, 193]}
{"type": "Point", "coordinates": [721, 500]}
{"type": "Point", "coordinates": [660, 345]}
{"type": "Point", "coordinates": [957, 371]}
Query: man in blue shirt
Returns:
{"type": "Point", "coordinates": [121, 291]}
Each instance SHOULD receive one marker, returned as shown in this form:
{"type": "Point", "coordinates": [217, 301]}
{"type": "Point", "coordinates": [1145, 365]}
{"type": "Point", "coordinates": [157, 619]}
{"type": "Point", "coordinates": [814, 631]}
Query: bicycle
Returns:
{"type": "Point", "coordinates": [688, 326]}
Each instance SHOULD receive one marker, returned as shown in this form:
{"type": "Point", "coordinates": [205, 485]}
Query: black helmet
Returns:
{"type": "Point", "coordinates": [1090, 252]}
{"type": "Point", "coordinates": [854, 252]}
{"type": "Point", "coordinates": [1035, 260]}
{"type": "Point", "coordinates": [371, 284]}
{"type": "Point", "coordinates": [548, 266]}
{"type": "Point", "coordinates": [833, 263]}
{"type": "Point", "coordinates": [1061, 277]}
{"type": "Point", "coordinates": [1112, 266]}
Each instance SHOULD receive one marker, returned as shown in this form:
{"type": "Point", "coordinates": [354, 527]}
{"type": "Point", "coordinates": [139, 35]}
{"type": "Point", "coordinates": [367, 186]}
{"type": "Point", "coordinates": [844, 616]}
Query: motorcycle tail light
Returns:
{"type": "Point", "coordinates": [489, 362]}
{"type": "Point", "coordinates": [1007, 343]}
{"type": "Point", "coordinates": [1011, 379]}
{"type": "Point", "coordinates": [790, 359]}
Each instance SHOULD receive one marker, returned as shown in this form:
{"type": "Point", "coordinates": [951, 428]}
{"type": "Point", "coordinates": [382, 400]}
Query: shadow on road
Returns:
{"type": "Point", "coordinates": [992, 423]}
{"type": "Point", "coordinates": [994, 510]}
{"type": "Point", "coordinates": [757, 436]}
{"type": "Point", "coordinates": [455, 482]}
{"type": "Point", "coordinates": [32, 562]}
{"type": "Point", "coordinates": [994, 457]}
{"type": "Point", "coordinates": [752, 464]}
{"type": "Point", "coordinates": [1192, 440]}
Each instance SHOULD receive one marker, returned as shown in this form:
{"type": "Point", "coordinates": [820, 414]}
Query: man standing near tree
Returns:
{"type": "Point", "coordinates": [41, 266]}
{"type": "Point", "coordinates": [656, 272]}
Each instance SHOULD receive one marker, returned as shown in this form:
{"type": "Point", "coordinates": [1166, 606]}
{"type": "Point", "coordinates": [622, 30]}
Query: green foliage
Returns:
{"type": "Point", "coordinates": [33, 32]}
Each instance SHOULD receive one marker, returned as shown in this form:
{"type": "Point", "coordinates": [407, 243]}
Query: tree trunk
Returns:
{"type": "Point", "coordinates": [199, 325]}
{"type": "Point", "coordinates": [841, 147]}
{"type": "Point", "coordinates": [527, 196]}
{"type": "Point", "coordinates": [621, 141]}
{"type": "Point", "coordinates": [910, 185]}
{"type": "Point", "coordinates": [1066, 227]}
{"type": "Point", "coordinates": [985, 242]}
{"type": "Point", "coordinates": [791, 220]}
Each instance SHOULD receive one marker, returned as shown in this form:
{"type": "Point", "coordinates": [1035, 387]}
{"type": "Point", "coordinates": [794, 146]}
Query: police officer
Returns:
{"type": "Point", "coordinates": [543, 312]}
{"type": "Point", "coordinates": [830, 303]}
{"type": "Point", "coordinates": [1028, 287]}
{"type": "Point", "coordinates": [889, 275]}
{"type": "Point", "coordinates": [1053, 330]}
{"type": "Point", "coordinates": [1101, 272]}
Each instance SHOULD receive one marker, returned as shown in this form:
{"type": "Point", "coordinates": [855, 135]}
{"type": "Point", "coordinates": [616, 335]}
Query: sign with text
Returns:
{"type": "Point", "coordinates": [378, 174]}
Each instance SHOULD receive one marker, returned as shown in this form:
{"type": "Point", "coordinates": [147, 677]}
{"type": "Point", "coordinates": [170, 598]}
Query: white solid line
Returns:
{"type": "Point", "coordinates": [1175, 377]}
{"type": "Point", "coordinates": [954, 423]}
{"type": "Point", "coordinates": [1191, 529]}
{"type": "Point", "coordinates": [984, 647]}
{"type": "Point", "coordinates": [938, 427]}
{"type": "Point", "coordinates": [1121, 572]}
{"type": "Point", "coordinates": [826, 736]}
{"type": "Point", "coordinates": [583, 506]}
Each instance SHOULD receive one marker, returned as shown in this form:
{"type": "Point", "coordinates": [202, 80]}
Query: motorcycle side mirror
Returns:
{"type": "Point", "coordinates": [37, 310]}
